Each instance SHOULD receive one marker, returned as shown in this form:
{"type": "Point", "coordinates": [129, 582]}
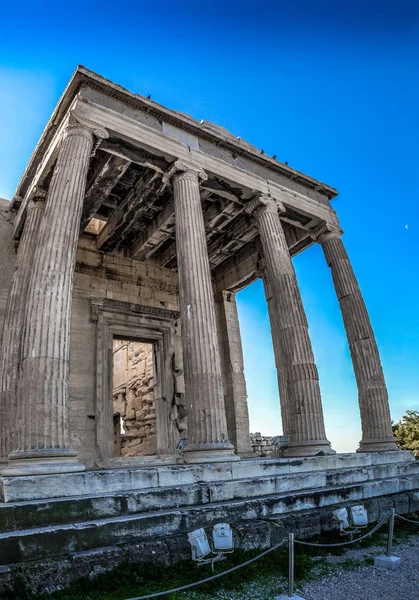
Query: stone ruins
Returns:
{"type": "Point", "coordinates": [123, 406]}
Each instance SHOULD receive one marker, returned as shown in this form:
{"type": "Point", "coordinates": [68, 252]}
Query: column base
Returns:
{"type": "Point", "coordinates": [379, 445]}
{"type": "Point", "coordinates": [207, 453]}
{"type": "Point", "coordinates": [246, 455]}
{"type": "Point", "coordinates": [310, 448]}
{"type": "Point", "coordinates": [42, 461]}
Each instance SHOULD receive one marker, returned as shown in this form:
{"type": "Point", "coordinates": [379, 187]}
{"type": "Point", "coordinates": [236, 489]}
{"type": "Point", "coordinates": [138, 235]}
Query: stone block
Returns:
{"type": "Point", "coordinates": [46, 577]}
{"type": "Point", "coordinates": [252, 535]}
{"type": "Point", "coordinates": [6, 581]}
{"type": "Point", "coordinates": [152, 551]}
{"type": "Point", "coordinates": [260, 468]}
{"type": "Point", "coordinates": [402, 504]}
{"type": "Point", "coordinates": [299, 482]}
{"type": "Point", "coordinates": [94, 562]}
{"type": "Point", "coordinates": [232, 490]}
{"type": "Point", "coordinates": [400, 456]}
{"type": "Point", "coordinates": [387, 562]}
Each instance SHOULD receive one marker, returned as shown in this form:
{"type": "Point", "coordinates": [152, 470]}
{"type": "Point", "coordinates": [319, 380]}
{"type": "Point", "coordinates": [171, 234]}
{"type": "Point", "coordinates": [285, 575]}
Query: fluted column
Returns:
{"type": "Point", "coordinates": [207, 427]}
{"type": "Point", "coordinates": [13, 323]}
{"type": "Point", "coordinates": [377, 434]}
{"type": "Point", "coordinates": [42, 426]}
{"type": "Point", "coordinates": [232, 368]}
{"type": "Point", "coordinates": [279, 359]}
{"type": "Point", "coordinates": [306, 431]}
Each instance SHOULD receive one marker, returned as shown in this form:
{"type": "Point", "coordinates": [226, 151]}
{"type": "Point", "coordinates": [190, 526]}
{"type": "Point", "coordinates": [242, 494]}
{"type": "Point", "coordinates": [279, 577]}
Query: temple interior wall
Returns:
{"type": "Point", "coordinates": [116, 277]}
{"type": "Point", "coordinates": [8, 257]}
{"type": "Point", "coordinates": [134, 404]}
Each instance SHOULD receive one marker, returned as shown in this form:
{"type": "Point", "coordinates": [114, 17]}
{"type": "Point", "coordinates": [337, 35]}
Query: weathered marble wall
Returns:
{"type": "Point", "coordinates": [116, 277]}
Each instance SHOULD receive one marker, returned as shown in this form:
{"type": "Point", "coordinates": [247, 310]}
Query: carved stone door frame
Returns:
{"type": "Point", "coordinates": [142, 323]}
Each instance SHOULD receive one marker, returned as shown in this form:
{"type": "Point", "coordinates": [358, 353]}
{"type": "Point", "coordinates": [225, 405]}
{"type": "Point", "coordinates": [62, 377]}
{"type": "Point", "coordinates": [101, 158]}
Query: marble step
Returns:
{"type": "Point", "coordinates": [24, 515]}
{"type": "Point", "coordinates": [99, 482]}
{"type": "Point", "coordinates": [56, 540]}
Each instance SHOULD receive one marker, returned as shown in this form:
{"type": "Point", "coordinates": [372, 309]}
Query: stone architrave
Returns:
{"type": "Point", "coordinates": [305, 423]}
{"type": "Point", "coordinates": [13, 322]}
{"type": "Point", "coordinates": [377, 434]}
{"type": "Point", "coordinates": [42, 424]}
{"type": "Point", "coordinates": [232, 367]}
{"type": "Point", "coordinates": [279, 360]}
{"type": "Point", "coordinates": [207, 425]}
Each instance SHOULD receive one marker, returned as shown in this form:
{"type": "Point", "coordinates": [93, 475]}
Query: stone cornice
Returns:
{"type": "Point", "coordinates": [83, 76]}
{"type": "Point", "coordinates": [325, 232]}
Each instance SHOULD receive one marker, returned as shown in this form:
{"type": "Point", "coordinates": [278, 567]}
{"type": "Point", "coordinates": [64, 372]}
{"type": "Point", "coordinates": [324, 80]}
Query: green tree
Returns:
{"type": "Point", "coordinates": [407, 432]}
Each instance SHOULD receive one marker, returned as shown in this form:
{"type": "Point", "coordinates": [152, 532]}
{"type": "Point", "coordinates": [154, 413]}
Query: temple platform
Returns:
{"type": "Point", "coordinates": [44, 518]}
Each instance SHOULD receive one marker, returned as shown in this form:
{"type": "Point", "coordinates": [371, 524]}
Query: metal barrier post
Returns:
{"type": "Point", "coordinates": [390, 532]}
{"type": "Point", "coordinates": [388, 561]}
{"type": "Point", "coordinates": [290, 572]}
{"type": "Point", "coordinates": [290, 565]}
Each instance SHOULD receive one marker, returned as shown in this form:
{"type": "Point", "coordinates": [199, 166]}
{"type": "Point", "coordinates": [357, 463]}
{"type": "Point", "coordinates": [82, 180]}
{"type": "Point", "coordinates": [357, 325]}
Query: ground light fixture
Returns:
{"type": "Point", "coordinates": [351, 522]}
{"type": "Point", "coordinates": [222, 543]}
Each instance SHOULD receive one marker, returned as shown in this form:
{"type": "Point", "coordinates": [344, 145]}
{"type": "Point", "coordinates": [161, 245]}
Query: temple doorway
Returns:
{"type": "Point", "coordinates": [134, 409]}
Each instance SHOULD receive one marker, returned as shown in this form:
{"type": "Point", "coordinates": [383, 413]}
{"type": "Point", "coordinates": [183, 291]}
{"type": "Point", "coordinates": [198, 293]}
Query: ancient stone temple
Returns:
{"type": "Point", "coordinates": [123, 406]}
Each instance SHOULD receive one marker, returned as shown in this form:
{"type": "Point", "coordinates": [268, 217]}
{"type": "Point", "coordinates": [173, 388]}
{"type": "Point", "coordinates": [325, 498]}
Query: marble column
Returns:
{"type": "Point", "coordinates": [377, 434]}
{"type": "Point", "coordinates": [207, 427]}
{"type": "Point", "coordinates": [305, 423]}
{"type": "Point", "coordinates": [232, 368]}
{"type": "Point", "coordinates": [42, 425]}
{"type": "Point", "coordinates": [13, 322]}
{"type": "Point", "coordinates": [279, 359]}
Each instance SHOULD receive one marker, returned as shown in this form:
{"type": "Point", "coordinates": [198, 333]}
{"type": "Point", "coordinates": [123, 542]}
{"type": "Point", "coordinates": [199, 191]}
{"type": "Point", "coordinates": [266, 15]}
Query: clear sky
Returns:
{"type": "Point", "coordinates": [330, 87]}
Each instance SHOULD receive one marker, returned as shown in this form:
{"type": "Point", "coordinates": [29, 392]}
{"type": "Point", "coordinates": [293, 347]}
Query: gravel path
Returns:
{"type": "Point", "coordinates": [350, 576]}
{"type": "Point", "coordinates": [367, 582]}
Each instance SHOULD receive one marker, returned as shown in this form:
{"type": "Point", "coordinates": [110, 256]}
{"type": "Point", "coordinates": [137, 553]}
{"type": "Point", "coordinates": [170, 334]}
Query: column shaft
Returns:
{"type": "Point", "coordinates": [42, 427]}
{"type": "Point", "coordinates": [377, 434]}
{"type": "Point", "coordinates": [13, 323]}
{"type": "Point", "coordinates": [279, 359]}
{"type": "Point", "coordinates": [207, 427]}
{"type": "Point", "coordinates": [232, 367]}
{"type": "Point", "coordinates": [305, 421]}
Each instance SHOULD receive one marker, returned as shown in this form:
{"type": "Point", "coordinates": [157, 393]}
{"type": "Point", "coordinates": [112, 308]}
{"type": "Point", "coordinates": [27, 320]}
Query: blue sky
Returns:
{"type": "Point", "coordinates": [333, 89]}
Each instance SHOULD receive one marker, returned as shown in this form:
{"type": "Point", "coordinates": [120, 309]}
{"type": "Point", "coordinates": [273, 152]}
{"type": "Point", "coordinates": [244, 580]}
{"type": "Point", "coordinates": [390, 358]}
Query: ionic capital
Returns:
{"type": "Point", "coordinates": [38, 194]}
{"type": "Point", "coordinates": [78, 124]}
{"type": "Point", "coordinates": [38, 197]}
{"type": "Point", "coordinates": [263, 204]}
{"type": "Point", "coordinates": [325, 232]}
{"type": "Point", "coordinates": [186, 171]}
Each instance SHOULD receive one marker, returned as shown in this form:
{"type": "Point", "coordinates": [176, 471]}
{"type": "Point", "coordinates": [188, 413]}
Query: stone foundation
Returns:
{"type": "Point", "coordinates": [40, 576]}
{"type": "Point", "coordinates": [127, 513]}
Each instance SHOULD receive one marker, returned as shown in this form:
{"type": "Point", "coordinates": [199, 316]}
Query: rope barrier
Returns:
{"type": "Point", "coordinates": [407, 520]}
{"type": "Point", "coordinates": [252, 560]}
{"type": "Point", "coordinates": [207, 579]}
{"type": "Point", "coordinates": [373, 530]}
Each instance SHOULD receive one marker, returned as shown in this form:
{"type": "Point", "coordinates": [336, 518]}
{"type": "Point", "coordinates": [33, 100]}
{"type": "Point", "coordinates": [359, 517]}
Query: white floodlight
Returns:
{"type": "Point", "coordinates": [222, 544]}
{"type": "Point", "coordinates": [222, 537]}
{"type": "Point", "coordinates": [200, 545]}
{"type": "Point", "coordinates": [359, 516]}
{"type": "Point", "coordinates": [341, 516]}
